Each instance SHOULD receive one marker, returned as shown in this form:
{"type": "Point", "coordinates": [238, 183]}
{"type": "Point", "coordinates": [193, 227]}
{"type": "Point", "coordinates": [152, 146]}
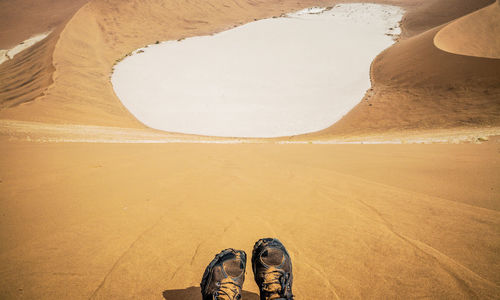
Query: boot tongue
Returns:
{"type": "Point", "coordinates": [272, 257]}
{"type": "Point", "coordinates": [234, 267]}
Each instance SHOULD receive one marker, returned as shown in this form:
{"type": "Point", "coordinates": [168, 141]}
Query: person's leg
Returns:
{"type": "Point", "coordinates": [272, 268]}
{"type": "Point", "coordinates": [224, 276]}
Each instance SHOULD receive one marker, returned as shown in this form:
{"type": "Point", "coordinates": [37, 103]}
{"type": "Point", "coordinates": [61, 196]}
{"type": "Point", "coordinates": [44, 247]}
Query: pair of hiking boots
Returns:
{"type": "Point", "coordinates": [272, 268]}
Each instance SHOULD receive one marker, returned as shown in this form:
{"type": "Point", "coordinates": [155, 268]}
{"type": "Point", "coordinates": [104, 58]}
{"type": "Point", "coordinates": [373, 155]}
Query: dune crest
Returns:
{"type": "Point", "coordinates": [10, 53]}
{"type": "Point", "coordinates": [476, 34]}
{"type": "Point", "coordinates": [26, 76]}
{"type": "Point", "coordinates": [27, 67]}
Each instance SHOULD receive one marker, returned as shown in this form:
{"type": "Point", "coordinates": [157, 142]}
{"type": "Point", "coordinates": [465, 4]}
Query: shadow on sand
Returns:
{"type": "Point", "coordinates": [194, 293]}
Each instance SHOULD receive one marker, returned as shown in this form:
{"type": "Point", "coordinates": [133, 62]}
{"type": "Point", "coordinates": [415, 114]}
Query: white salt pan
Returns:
{"type": "Point", "coordinates": [310, 10]}
{"type": "Point", "coordinates": [273, 77]}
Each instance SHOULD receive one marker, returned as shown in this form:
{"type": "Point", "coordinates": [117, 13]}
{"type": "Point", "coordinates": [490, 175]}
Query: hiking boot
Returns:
{"type": "Point", "coordinates": [224, 276]}
{"type": "Point", "coordinates": [272, 269]}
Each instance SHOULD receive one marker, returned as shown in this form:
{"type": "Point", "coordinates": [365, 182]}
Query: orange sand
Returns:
{"type": "Point", "coordinates": [476, 34]}
{"type": "Point", "coordinates": [140, 221]}
{"type": "Point", "coordinates": [361, 221]}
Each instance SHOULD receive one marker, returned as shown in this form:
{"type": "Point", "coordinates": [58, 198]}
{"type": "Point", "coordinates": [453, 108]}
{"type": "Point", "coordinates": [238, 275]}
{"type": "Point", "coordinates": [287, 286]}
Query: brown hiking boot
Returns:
{"type": "Point", "coordinates": [272, 269]}
{"type": "Point", "coordinates": [224, 276]}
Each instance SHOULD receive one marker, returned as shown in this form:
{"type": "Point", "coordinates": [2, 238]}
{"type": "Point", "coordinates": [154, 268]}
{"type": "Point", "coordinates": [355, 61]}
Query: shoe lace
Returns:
{"type": "Point", "coordinates": [275, 284]}
{"type": "Point", "coordinates": [228, 290]}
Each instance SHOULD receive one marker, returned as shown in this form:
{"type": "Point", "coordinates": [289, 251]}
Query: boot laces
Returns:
{"type": "Point", "coordinates": [275, 283]}
{"type": "Point", "coordinates": [228, 290]}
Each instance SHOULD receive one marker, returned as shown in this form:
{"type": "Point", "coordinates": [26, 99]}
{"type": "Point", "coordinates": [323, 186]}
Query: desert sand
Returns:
{"type": "Point", "coordinates": [6, 54]}
{"type": "Point", "coordinates": [92, 208]}
{"type": "Point", "coordinates": [369, 221]}
{"type": "Point", "coordinates": [465, 36]}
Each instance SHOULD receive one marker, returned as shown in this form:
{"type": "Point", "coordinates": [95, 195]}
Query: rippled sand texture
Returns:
{"type": "Point", "coordinates": [6, 54]}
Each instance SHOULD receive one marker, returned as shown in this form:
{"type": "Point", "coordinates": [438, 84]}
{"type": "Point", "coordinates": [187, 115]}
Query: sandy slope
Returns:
{"type": "Point", "coordinates": [138, 221]}
{"type": "Point", "coordinates": [425, 15]}
{"type": "Point", "coordinates": [477, 34]}
{"type": "Point", "coordinates": [21, 19]}
{"type": "Point", "coordinates": [133, 221]}
{"type": "Point", "coordinates": [26, 77]}
{"type": "Point", "coordinates": [417, 86]}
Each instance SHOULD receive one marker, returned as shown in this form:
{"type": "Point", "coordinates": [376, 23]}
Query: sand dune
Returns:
{"type": "Point", "coordinates": [12, 52]}
{"type": "Point", "coordinates": [433, 88]}
{"type": "Point", "coordinates": [102, 32]}
{"type": "Point", "coordinates": [477, 34]}
{"type": "Point", "coordinates": [21, 19]}
{"type": "Point", "coordinates": [425, 15]}
{"type": "Point", "coordinates": [28, 74]}
{"type": "Point", "coordinates": [140, 221]}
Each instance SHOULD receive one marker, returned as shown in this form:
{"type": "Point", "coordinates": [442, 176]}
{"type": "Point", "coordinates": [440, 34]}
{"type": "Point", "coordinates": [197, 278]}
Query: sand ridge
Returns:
{"type": "Point", "coordinates": [22, 19]}
{"type": "Point", "coordinates": [449, 97]}
{"type": "Point", "coordinates": [10, 53]}
{"type": "Point", "coordinates": [477, 34]}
